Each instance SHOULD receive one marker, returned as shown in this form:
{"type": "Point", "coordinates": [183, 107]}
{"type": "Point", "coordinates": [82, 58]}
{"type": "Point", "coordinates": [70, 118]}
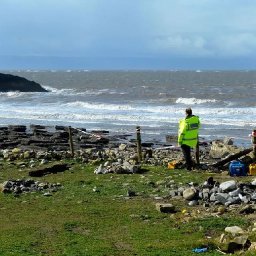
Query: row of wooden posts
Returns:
{"type": "Point", "coordinates": [139, 151]}
{"type": "Point", "coordinates": [138, 140]}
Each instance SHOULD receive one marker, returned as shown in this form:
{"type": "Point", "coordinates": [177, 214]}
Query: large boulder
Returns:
{"type": "Point", "coordinates": [222, 149]}
{"type": "Point", "coordinates": [15, 83]}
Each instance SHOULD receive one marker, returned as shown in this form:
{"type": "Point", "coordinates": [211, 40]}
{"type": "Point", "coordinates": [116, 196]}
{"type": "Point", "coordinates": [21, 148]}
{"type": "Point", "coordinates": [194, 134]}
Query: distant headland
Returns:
{"type": "Point", "coordinates": [15, 83]}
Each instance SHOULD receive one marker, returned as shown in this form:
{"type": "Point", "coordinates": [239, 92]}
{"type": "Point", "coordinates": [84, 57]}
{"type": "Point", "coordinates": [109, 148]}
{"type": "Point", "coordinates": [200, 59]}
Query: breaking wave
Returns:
{"type": "Point", "coordinates": [13, 94]}
{"type": "Point", "coordinates": [99, 106]}
{"type": "Point", "coordinates": [194, 101]}
{"type": "Point", "coordinates": [58, 91]}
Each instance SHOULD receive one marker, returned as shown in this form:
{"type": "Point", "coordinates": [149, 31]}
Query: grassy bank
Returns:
{"type": "Point", "coordinates": [92, 215]}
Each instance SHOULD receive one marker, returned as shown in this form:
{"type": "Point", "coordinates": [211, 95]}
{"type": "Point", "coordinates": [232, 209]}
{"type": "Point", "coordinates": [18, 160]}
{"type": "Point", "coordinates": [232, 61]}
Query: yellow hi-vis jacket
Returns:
{"type": "Point", "coordinates": [188, 131]}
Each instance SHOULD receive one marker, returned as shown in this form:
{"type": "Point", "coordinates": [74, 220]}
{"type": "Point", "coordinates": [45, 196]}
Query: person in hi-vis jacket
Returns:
{"type": "Point", "coordinates": [188, 135]}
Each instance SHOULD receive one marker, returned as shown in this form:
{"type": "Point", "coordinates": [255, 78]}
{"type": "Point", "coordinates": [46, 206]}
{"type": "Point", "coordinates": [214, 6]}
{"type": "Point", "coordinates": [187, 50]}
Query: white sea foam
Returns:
{"type": "Point", "coordinates": [194, 101]}
{"type": "Point", "coordinates": [58, 91]}
{"type": "Point", "coordinates": [153, 118]}
{"type": "Point", "coordinates": [167, 112]}
{"type": "Point", "coordinates": [132, 108]}
{"type": "Point", "coordinates": [13, 94]}
{"type": "Point", "coordinates": [156, 120]}
{"type": "Point", "coordinates": [234, 113]}
{"type": "Point", "coordinates": [49, 88]}
{"type": "Point", "coordinates": [98, 106]}
{"type": "Point", "coordinates": [74, 92]}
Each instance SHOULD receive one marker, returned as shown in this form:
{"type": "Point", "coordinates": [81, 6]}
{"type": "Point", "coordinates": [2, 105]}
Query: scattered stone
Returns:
{"type": "Point", "coordinates": [193, 203]}
{"type": "Point", "coordinates": [120, 158]}
{"type": "Point", "coordinates": [16, 150]}
{"type": "Point", "coordinates": [245, 199]}
{"type": "Point", "coordinates": [222, 198]}
{"type": "Point", "coordinates": [122, 147]}
{"type": "Point", "coordinates": [44, 161]}
{"type": "Point", "coordinates": [247, 210]}
{"type": "Point", "coordinates": [117, 167]}
{"type": "Point", "coordinates": [95, 189]}
{"type": "Point", "coordinates": [241, 240]}
{"type": "Point", "coordinates": [165, 208]}
{"type": "Point", "coordinates": [211, 193]}
{"type": "Point", "coordinates": [158, 198]}
{"type": "Point", "coordinates": [221, 210]}
{"type": "Point", "coordinates": [235, 192]}
{"type": "Point", "coordinates": [231, 242]}
{"type": "Point", "coordinates": [228, 141]}
{"type": "Point", "coordinates": [99, 170]}
{"type": "Point", "coordinates": [47, 194]}
{"type": "Point", "coordinates": [173, 193]}
{"type": "Point", "coordinates": [206, 205]}
{"type": "Point", "coordinates": [252, 247]}
{"type": "Point", "coordinates": [228, 185]}
{"type": "Point", "coordinates": [26, 186]}
{"type": "Point", "coordinates": [234, 230]}
{"type": "Point", "coordinates": [131, 193]}
{"type": "Point", "coordinates": [220, 149]}
{"type": "Point", "coordinates": [189, 193]}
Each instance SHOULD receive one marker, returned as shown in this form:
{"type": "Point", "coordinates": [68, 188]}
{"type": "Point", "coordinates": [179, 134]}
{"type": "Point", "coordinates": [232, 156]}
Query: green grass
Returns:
{"type": "Point", "coordinates": [76, 220]}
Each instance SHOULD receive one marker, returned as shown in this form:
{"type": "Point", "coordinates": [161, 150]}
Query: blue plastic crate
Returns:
{"type": "Point", "coordinates": [237, 168]}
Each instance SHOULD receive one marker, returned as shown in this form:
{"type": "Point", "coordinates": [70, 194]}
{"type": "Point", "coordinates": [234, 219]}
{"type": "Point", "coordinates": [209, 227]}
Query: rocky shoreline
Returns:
{"type": "Point", "coordinates": [48, 142]}
{"type": "Point", "coordinates": [35, 146]}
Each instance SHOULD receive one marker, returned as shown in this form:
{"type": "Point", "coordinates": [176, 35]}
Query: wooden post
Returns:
{"type": "Point", "coordinates": [254, 144]}
{"type": "Point", "coordinates": [197, 154]}
{"type": "Point", "coordinates": [139, 154]}
{"type": "Point", "coordinates": [71, 145]}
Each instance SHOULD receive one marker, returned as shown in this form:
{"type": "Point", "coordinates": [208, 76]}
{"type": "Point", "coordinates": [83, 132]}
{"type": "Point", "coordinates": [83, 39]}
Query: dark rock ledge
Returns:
{"type": "Point", "coordinates": [15, 83]}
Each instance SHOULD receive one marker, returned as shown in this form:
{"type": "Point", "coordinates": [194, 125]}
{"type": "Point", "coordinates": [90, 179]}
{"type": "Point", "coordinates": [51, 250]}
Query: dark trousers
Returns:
{"type": "Point", "coordinates": [187, 155]}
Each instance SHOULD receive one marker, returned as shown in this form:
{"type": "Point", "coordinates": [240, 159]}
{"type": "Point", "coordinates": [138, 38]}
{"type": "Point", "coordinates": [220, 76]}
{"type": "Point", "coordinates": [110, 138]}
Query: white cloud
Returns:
{"type": "Point", "coordinates": [221, 45]}
{"type": "Point", "coordinates": [180, 45]}
{"type": "Point", "coordinates": [207, 28]}
{"type": "Point", "coordinates": [235, 45]}
{"type": "Point", "coordinates": [193, 28]}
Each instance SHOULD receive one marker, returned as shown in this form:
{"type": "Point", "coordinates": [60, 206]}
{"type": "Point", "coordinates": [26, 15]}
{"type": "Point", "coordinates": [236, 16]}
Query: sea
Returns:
{"type": "Point", "coordinates": [119, 101]}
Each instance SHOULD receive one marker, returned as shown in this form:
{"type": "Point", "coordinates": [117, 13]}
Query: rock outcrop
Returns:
{"type": "Point", "coordinates": [15, 83]}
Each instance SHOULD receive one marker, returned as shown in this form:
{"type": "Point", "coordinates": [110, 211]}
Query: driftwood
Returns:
{"type": "Point", "coordinates": [47, 170]}
{"type": "Point", "coordinates": [232, 157]}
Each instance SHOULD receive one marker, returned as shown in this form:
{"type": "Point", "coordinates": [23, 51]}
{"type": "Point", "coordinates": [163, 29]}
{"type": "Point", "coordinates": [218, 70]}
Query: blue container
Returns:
{"type": "Point", "coordinates": [237, 168]}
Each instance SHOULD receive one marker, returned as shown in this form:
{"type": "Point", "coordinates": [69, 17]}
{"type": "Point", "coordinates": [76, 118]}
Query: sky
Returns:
{"type": "Point", "coordinates": [128, 34]}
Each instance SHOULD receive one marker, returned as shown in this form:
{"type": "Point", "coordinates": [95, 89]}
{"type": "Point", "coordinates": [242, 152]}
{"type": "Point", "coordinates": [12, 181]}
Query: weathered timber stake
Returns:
{"type": "Point", "coordinates": [232, 157]}
{"type": "Point", "coordinates": [71, 145]}
{"type": "Point", "coordinates": [138, 144]}
{"type": "Point", "coordinates": [254, 144]}
{"type": "Point", "coordinates": [197, 154]}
